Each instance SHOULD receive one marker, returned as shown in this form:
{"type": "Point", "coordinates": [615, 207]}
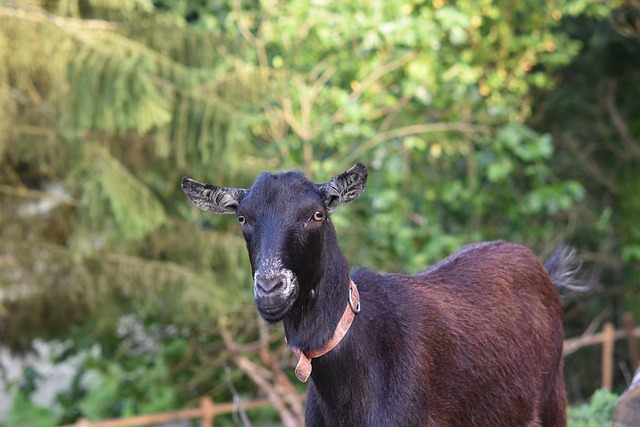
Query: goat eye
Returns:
{"type": "Point", "coordinates": [318, 216]}
{"type": "Point", "coordinates": [241, 219]}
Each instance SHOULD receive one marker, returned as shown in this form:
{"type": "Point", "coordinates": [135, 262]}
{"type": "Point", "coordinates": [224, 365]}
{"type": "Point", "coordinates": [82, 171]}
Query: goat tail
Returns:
{"type": "Point", "coordinates": [563, 269]}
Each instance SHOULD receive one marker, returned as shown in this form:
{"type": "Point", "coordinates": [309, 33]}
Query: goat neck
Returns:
{"type": "Point", "coordinates": [303, 367]}
{"type": "Point", "coordinates": [313, 320]}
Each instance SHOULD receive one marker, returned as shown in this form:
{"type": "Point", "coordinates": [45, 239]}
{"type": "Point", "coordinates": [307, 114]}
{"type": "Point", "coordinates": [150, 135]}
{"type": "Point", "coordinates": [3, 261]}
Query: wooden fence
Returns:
{"type": "Point", "coordinates": [207, 411]}
{"type": "Point", "coordinates": [607, 338]}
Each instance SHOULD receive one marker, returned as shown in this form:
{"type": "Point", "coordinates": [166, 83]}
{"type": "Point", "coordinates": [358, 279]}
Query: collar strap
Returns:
{"type": "Point", "coordinates": [303, 368]}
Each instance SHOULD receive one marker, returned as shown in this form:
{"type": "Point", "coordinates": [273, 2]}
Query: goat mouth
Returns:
{"type": "Point", "coordinates": [274, 309]}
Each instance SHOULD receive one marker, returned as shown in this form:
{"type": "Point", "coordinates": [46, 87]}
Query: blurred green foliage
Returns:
{"type": "Point", "coordinates": [596, 413]}
{"type": "Point", "coordinates": [25, 413]}
{"type": "Point", "coordinates": [477, 119]}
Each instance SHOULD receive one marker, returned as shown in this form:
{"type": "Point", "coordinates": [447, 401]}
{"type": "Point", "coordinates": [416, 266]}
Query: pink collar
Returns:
{"type": "Point", "coordinates": [303, 368]}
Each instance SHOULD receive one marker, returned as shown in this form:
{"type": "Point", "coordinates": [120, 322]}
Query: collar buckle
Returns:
{"type": "Point", "coordinates": [355, 306]}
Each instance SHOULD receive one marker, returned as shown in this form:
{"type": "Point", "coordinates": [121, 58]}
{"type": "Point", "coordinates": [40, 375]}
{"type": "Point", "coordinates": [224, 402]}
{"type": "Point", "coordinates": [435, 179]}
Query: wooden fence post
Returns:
{"type": "Point", "coordinates": [208, 411]}
{"type": "Point", "coordinates": [608, 340]}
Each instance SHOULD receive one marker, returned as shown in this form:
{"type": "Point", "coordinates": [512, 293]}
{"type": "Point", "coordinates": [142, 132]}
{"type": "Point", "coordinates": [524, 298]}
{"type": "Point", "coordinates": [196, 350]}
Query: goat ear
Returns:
{"type": "Point", "coordinates": [345, 187]}
{"type": "Point", "coordinates": [212, 198]}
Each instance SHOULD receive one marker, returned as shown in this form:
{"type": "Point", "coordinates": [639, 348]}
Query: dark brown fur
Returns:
{"type": "Point", "coordinates": [475, 340]}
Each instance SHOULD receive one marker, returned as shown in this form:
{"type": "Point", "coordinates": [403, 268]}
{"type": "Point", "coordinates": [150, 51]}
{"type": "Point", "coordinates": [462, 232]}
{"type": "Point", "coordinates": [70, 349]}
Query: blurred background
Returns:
{"type": "Point", "coordinates": [477, 119]}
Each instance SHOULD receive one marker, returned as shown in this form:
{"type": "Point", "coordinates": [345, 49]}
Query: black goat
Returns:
{"type": "Point", "coordinates": [475, 340]}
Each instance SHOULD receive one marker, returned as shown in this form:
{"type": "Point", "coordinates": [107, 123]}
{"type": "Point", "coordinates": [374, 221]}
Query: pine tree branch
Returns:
{"type": "Point", "coordinates": [37, 15]}
{"type": "Point", "coordinates": [99, 35]}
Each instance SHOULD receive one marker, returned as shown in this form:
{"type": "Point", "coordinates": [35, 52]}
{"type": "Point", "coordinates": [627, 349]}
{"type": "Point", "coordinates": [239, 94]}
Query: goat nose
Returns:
{"type": "Point", "coordinates": [266, 285]}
